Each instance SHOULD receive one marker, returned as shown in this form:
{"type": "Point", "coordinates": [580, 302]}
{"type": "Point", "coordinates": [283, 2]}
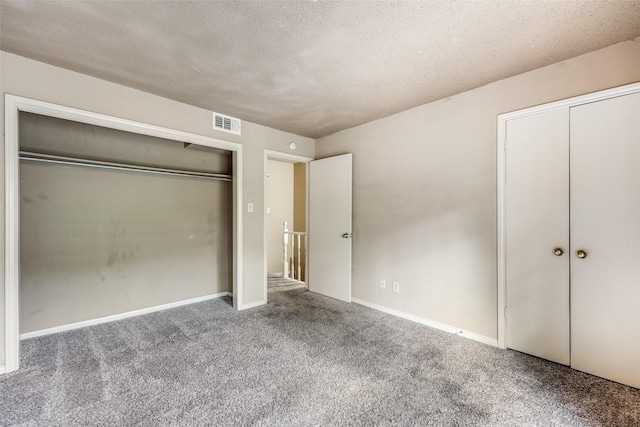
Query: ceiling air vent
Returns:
{"type": "Point", "coordinates": [226, 123]}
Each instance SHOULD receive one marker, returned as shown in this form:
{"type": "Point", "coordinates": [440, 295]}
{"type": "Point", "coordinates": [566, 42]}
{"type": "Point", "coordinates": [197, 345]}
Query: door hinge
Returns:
{"type": "Point", "coordinates": [505, 312]}
{"type": "Point", "coordinates": [505, 145]}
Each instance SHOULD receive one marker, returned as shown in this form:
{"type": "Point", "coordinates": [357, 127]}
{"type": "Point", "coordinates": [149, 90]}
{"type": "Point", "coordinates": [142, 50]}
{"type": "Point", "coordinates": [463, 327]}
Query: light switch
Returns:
{"type": "Point", "coordinates": [268, 210]}
{"type": "Point", "coordinates": [250, 207]}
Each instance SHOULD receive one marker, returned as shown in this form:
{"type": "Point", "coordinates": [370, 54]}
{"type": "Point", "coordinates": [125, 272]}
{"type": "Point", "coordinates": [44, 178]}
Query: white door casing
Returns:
{"type": "Point", "coordinates": [537, 222]}
{"type": "Point", "coordinates": [330, 206]}
{"type": "Point", "coordinates": [605, 223]}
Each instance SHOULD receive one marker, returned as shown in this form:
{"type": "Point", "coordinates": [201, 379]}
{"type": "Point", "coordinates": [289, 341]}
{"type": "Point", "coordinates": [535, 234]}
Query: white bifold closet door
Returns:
{"type": "Point", "coordinates": [573, 237]}
{"type": "Point", "coordinates": [605, 223]}
{"type": "Point", "coordinates": [537, 222]}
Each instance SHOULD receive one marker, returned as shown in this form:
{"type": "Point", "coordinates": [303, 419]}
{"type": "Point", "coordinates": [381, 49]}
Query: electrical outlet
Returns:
{"type": "Point", "coordinates": [250, 207]}
{"type": "Point", "coordinates": [383, 284]}
{"type": "Point", "coordinates": [396, 287]}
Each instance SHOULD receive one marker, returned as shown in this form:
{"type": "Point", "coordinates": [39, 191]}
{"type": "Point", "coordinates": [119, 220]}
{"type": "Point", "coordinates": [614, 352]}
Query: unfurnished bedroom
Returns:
{"type": "Point", "coordinates": [296, 213]}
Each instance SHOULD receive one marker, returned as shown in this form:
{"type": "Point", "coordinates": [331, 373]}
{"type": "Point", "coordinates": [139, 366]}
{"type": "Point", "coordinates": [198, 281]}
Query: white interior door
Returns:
{"type": "Point", "coordinates": [605, 223]}
{"type": "Point", "coordinates": [537, 222]}
{"type": "Point", "coordinates": [330, 227]}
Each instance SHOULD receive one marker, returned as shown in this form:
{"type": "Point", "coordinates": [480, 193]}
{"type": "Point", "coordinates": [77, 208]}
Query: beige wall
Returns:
{"type": "Point", "coordinates": [31, 79]}
{"type": "Point", "coordinates": [280, 203]}
{"type": "Point", "coordinates": [300, 197]}
{"type": "Point", "coordinates": [424, 188]}
{"type": "Point", "coordinates": [96, 242]}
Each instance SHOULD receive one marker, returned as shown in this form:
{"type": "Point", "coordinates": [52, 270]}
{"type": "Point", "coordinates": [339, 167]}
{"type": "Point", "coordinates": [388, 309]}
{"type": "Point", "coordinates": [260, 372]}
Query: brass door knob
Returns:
{"type": "Point", "coordinates": [581, 254]}
{"type": "Point", "coordinates": [558, 252]}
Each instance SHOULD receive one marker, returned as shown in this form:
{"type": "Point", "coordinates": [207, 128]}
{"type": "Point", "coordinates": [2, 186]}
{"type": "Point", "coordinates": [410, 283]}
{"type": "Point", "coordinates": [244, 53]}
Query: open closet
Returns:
{"type": "Point", "coordinates": [570, 232]}
{"type": "Point", "coordinates": [113, 221]}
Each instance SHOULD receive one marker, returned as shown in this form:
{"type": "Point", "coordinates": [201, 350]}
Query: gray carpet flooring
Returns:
{"type": "Point", "coordinates": [302, 360]}
{"type": "Point", "coordinates": [278, 284]}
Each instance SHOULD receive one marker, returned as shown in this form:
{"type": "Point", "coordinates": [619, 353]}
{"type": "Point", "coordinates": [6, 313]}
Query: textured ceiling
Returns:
{"type": "Point", "coordinates": [310, 67]}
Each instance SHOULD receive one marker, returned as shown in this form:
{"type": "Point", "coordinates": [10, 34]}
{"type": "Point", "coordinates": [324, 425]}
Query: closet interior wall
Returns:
{"type": "Point", "coordinates": [96, 242]}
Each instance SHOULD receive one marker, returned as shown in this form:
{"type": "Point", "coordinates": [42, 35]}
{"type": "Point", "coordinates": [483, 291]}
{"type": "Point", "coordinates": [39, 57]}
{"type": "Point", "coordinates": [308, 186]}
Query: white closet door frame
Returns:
{"type": "Point", "coordinates": [16, 104]}
{"type": "Point", "coordinates": [502, 147]}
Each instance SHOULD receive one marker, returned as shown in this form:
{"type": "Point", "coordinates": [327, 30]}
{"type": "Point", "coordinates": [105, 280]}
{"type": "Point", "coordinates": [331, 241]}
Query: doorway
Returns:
{"type": "Point", "coordinates": [112, 222]}
{"type": "Point", "coordinates": [285, 221]}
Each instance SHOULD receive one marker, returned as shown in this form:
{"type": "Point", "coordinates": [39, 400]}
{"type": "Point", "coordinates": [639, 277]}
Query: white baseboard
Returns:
{"type": "Point", "coordinates": [252, 305]}
{"type": "Point", "coordinates": [119, 316]}
{"type": "Point", "coordinates": [428, 322]}
{"type": "Point", "coordinates": [2, 369]}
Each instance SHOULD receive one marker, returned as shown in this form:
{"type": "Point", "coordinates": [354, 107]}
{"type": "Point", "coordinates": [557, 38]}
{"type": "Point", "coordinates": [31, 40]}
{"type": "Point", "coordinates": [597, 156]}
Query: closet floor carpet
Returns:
{"type": "Point", "coordinates": [301, 360]}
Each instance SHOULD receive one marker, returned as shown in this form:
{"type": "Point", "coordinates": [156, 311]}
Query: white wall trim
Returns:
{"type": "Point", "coordinates": [12, 237]}
{"type": "Point", "coordinates": [253, 305]}
{"type": "Point", "coordinates": [237, 214]}
{"type": "Point", "coordinates": [502, 242]}
{"type": "Point", "coordinates": [430, 323]}
{"type": "Point", "coordinates": [13, 106]}
{"type": "Point", "coordinates": [2, 369]}
{"type": "Point", "coordinates": [501, 181]}
{"type": "Point", "coordinates": [288, 157]}
{"type": "Point", "coordinates": [119, 316]}
{"type": "Point", "coordinates": [292, 158]}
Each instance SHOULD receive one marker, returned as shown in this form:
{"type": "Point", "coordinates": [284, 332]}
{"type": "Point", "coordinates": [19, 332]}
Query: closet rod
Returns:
{"type": "Point", "coordinates": [50, 158]}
